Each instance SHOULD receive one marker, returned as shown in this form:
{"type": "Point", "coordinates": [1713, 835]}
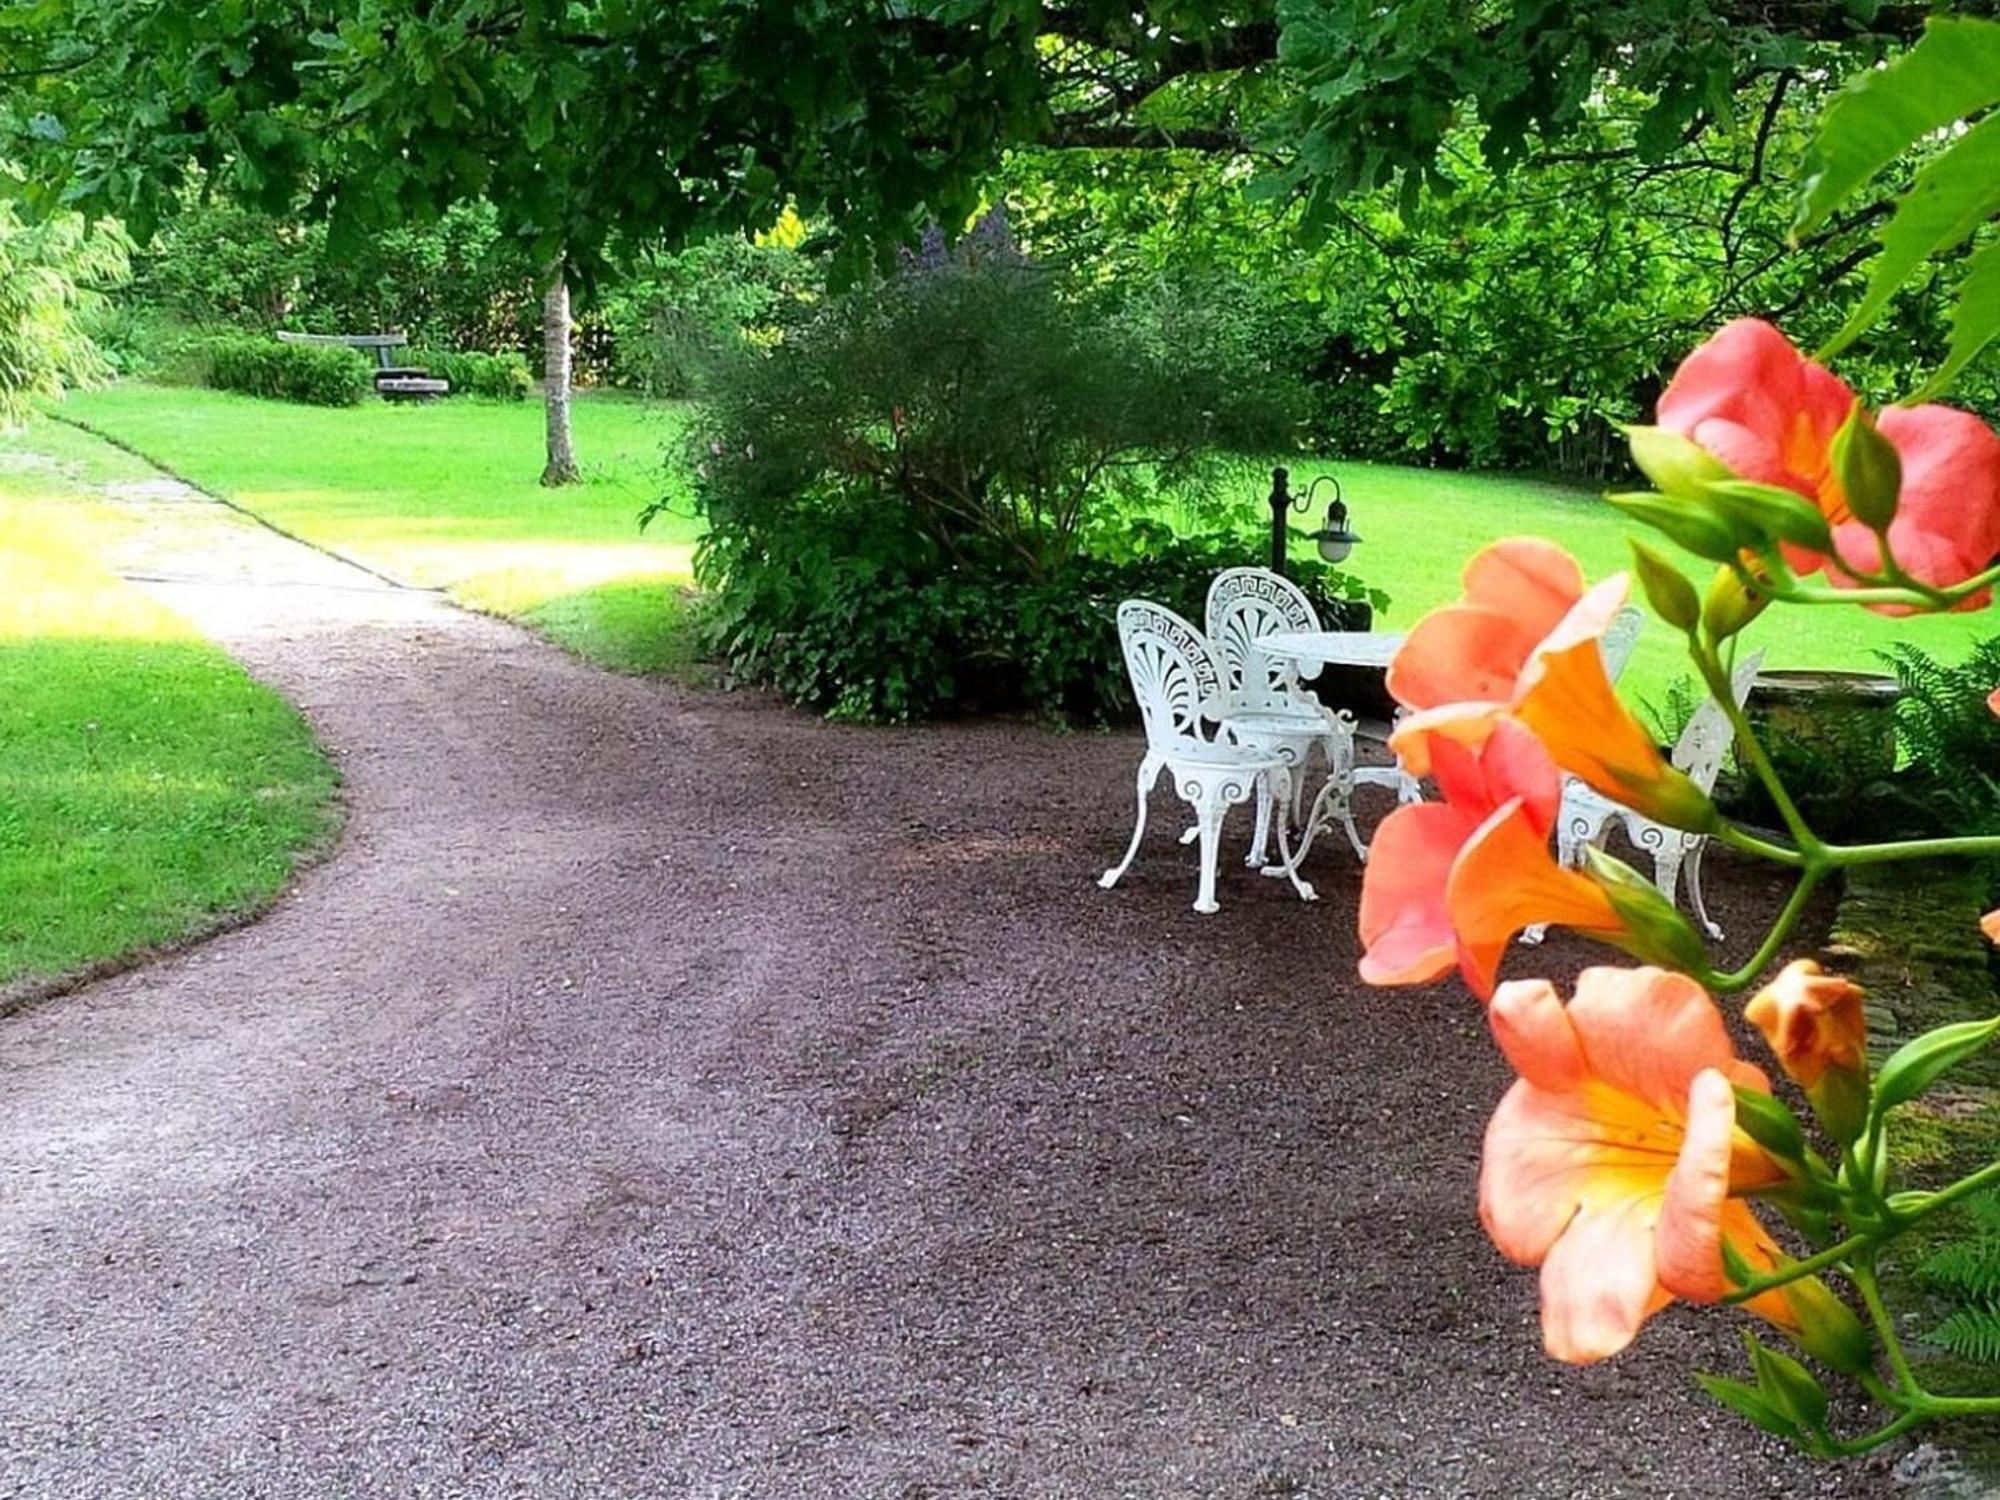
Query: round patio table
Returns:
{"type": "Point", "coordinates": [1313, 649]}
{"type": "Point", "coordinates": [1310, 651]}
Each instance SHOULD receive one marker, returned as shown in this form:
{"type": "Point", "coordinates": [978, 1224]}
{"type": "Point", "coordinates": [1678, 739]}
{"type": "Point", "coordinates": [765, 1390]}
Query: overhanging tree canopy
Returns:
{"type": "Point", "coordinates": [587, 121]}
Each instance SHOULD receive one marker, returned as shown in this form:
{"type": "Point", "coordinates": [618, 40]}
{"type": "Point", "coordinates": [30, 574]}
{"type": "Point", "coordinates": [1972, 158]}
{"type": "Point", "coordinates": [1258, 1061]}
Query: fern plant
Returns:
{"type": "Point", "coordinates": [1967, 1272]}
{"type": "Point", "coordinates": [1950, 735]}
{"type": "Point", "coordinates": [1670, 715]}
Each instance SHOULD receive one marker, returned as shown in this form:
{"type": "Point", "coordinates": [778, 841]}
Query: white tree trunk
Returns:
{"type": "Point", "coordinates": [561, 467]}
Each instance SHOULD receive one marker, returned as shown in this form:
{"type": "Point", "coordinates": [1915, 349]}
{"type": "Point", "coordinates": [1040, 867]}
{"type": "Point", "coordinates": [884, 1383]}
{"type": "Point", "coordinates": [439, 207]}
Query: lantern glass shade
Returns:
{"type": "Point", "coordinates": [1335, 546]}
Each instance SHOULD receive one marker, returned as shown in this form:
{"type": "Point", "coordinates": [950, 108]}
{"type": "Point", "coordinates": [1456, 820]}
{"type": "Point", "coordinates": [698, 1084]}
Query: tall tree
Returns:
{"type": "Point", "coordinates": [560, 467]}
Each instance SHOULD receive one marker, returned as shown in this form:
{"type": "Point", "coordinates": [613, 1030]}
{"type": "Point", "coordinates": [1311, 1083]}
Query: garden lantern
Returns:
{"type": "Point", "coordinates": [1334, 540]}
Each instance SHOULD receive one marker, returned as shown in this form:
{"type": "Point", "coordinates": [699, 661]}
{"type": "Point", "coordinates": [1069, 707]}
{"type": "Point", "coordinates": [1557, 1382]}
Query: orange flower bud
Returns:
{"type": "Point", "coordinates": [1817, 1027]}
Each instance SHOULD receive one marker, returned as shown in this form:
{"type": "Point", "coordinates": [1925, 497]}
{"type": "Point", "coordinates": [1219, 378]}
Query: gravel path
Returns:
{"type": "Point", "coordinates": [662, 1094]}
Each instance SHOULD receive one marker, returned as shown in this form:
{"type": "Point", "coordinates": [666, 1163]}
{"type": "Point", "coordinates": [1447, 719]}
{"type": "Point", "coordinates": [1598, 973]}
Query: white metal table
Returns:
{"type": "Point", "coordinates": [1314, 649]}
{"type": "Point", "coordinates": [1310, 651]}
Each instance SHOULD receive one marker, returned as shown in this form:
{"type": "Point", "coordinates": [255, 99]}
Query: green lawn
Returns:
{"type": "Point", "coordinates": [446, 495]}
{"type": "Point", "coordinates": [1419, 525]}
{"type": "Point", "coordinates": [148, 787]}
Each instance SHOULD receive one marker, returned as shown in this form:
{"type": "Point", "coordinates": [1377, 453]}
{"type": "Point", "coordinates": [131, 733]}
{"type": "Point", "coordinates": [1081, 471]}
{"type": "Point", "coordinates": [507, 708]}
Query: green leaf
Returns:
{"type": "Point", "coordinates": [1769, 1123]}
{"type": "Point", "coordinates": [1916, 1065]}
{"type": "Point", "coordinates": [1953, 71]}
{"type": "Point", "coordinates": [1750, 1403]}
{"type": "Point", "coordinates": [1689, 525]}
{"type": "Point", "coordinates": [1975, 321]}
{"type": "Point", "coordinates": [1739, 1271]}
{"type": "Point", "coordinates": [1771, 511]}
{"type": "Point", "coordinates": [1787, 1385]}
{"type": "Point", "coordinates": [1673, 598]}
{"type": "Point", "coordinates": [1952, 196]}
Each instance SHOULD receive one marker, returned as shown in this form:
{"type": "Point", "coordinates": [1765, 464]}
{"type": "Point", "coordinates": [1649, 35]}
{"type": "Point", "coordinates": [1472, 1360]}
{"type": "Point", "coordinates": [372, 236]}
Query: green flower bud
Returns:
{"type": "Point", "coordinates": [1869, 469]}
{"type": "Point", "coordinates": [1677, 465]}
{"type": "Point", "coordinates": [1673, 598]}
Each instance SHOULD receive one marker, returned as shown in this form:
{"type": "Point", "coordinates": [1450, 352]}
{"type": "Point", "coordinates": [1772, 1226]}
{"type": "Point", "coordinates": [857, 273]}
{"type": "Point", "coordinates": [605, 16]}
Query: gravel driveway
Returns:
{"type": "Point", "coordinates": [663, 1094]}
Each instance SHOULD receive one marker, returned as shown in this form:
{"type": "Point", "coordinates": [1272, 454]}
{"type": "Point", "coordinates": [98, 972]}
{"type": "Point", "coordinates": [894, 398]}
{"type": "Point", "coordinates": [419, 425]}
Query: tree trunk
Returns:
{"type": "Point", "coordinates": [561, 467]}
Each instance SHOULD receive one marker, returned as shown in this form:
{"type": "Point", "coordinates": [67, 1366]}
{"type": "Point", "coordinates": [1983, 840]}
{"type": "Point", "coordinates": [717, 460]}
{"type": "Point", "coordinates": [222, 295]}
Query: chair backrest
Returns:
{"type": "Point", "coordinates": [1619, 639]}
{"type": "Point", "coordinates": [1698, 753]}
{"type": "Point", "coordinates": [1245, 604]}
{"type": "Point", "coordinates": [1175, 676]}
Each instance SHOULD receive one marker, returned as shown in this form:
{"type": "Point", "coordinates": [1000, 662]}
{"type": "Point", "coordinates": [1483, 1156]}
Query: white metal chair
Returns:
{"type": "Point", "coordinates": [1268, 707]}
{"type": "Point", "coordinates": [1179, 687]}
{"type": "Point", "coordinates": [1619, 638]}
{"type": "Point", "coordinates": [1586, 816]}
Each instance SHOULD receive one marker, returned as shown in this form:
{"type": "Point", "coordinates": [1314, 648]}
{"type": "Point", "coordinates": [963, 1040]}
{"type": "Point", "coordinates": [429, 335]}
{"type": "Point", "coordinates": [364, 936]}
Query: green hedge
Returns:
{"type": "Point", "coordinates": [316, 374]}
{"type": "Point", "coordinates": [502, 376]}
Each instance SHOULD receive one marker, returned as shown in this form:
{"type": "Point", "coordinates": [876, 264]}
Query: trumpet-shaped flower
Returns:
{"type": "Point", "coordinates": [1524, 641]}
{"type": "Point", "coordinates": [1990, 925]}
{"type": "Point", "coordinates": [1451, 882]}
{"type": "Point", "coordinates": [1615, 1163]}
{"type": "Point", "coordinates": [1813, 1020]}
{"type": "Point", "coordinates": [1817, 1028]}
{"type": "Point", "coordinates": [1769, 414]}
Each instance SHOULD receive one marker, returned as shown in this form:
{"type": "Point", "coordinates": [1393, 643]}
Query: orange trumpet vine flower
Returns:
{"type": "Point", "coordinates": [1769, 414]}
{"type": "Point", "coordinates": [1524, 642]}
{"type": "Point", "coordinates": [1817, 1028]}
{"type": "Point", "coordinates": [1615, 1164]}
{"type": "Point", "coordinates": [1450, 883]}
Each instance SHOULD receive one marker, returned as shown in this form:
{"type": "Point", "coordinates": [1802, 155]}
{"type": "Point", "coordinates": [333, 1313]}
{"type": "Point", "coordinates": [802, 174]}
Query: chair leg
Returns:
{"type": "Point", "coordinates": [1149, 773]}
{"type": "Point", "coordinates": [1291, 863]}
{"type": "Point", "coordinates": [1208, 820]}
{"type": "Point", "coordinates": [1695, 848]}
{"type": "Point", "coordinates": [1344, 810]}
{"type": "Point", "coordinates": [1667, 867]}
{"type": "Point", "coordinates": [1267, 811]}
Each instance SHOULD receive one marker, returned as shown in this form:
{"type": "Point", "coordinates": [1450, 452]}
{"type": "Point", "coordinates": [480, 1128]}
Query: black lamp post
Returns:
{"type": "Point", "coordinates": [1334, 540]}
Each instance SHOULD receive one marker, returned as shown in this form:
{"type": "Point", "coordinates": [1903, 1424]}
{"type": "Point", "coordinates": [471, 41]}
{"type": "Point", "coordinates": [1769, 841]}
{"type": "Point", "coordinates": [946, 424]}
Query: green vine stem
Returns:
{"type": "Point", "coordinates": [1708, 661]}
{"type": "Point", "coordinates": [1774, 940]}
{"type": "Point", "coordinates": [1895, 587]}
{"type": "Point", "coordinates": [1847, 1254]}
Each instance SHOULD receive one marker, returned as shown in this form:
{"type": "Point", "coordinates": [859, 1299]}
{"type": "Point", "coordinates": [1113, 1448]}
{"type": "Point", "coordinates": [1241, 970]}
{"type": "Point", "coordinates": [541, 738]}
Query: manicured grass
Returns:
{"type": "Point", "coordinates": [445, 495]}
{"type": "Point", "coordinates": [148, 787]}
{"type": "Point", "coordinates": [1419, 525]}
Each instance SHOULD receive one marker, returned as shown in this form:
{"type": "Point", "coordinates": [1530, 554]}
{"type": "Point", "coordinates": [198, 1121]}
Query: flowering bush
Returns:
{"type": "Point", "coordinates": [1638, 1160]}
{"type": "Point", "coordinates": [1633, 1157]}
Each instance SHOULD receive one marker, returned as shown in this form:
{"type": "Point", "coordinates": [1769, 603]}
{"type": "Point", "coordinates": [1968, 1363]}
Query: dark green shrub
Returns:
{"type": "Point", "coordinates": [316, 374]}
{"type": "Point", "coordinates": [674, 316]}
{"type": "Point", "coordinates": [866, 622]}
{"type": "Point", "coordinates": [502, 377]}
{"type": "Point", "coordinates": [931, 494]}
{"type": "Point", "coordinates": [454, 282]}
{"type": "Point", "coordinates": [970, 403]}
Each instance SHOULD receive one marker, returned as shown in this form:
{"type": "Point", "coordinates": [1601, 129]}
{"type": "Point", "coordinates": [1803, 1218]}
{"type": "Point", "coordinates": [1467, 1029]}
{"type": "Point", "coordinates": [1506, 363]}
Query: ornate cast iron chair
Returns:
{"type": "Point", "coordinates": [1586, 816]}
{"type": "Point", "coordinates": [1179, 687]}
{"type": "Point", "coordinates": [1268, 708]}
